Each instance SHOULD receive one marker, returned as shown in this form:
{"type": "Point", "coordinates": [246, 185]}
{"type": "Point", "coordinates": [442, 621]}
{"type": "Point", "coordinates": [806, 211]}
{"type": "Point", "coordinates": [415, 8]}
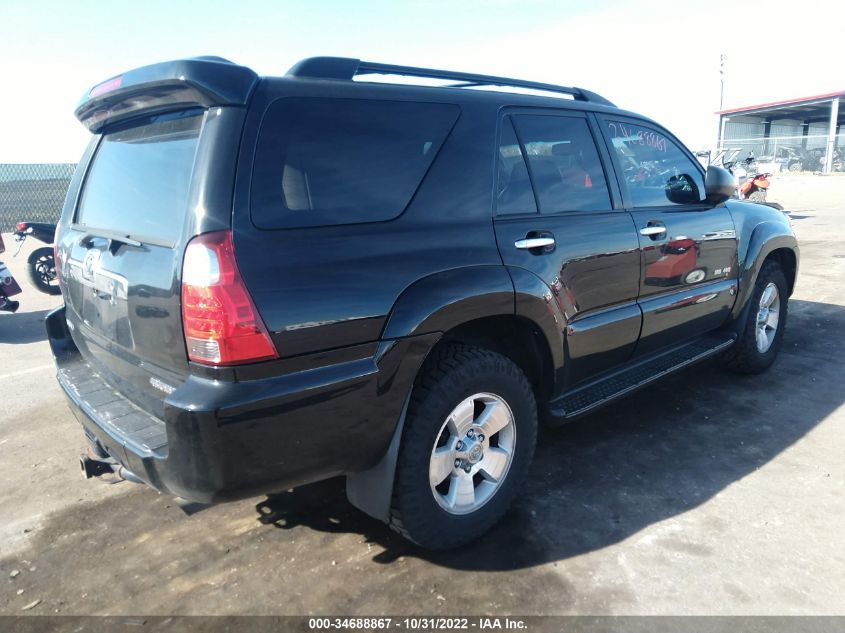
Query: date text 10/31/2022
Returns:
{"type": "Point", "coordinates": [417, 624]}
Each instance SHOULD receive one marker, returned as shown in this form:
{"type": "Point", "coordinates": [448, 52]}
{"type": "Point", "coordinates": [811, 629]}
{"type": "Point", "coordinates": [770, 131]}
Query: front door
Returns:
{"type": "Point", "coordinates": [689, 247]}
{"type": "Point", "coordinates": [555, 217]}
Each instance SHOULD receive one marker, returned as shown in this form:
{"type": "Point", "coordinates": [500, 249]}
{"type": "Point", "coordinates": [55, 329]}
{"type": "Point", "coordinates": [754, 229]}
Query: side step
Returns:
{"type": "Point", "coordinates": [597, 393]}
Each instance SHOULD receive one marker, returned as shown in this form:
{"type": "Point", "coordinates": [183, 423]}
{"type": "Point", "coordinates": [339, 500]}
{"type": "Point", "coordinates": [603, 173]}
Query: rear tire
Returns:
{"type": "Point", "coordinates": [453, 485]}
{"type": "Point", "coordinates": [761, 338]}
{"type": "Point", "coordinates": [42, 270]}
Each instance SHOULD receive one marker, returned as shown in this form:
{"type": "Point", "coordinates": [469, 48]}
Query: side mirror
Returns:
{"type": "Point", "coordinates": [719, 185]}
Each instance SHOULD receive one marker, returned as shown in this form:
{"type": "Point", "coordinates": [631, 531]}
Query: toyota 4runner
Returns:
{"type": "Point", "coordinates": [272, 281]}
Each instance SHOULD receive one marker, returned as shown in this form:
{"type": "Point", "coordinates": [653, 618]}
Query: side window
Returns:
{"type": "Point", "coordinates": [655, 169]}
{"type": "Point", "coordinates": [342, 161]}
{"type": "Point", "coordinates": [514, 193]}
{"type": "Point", "coordinates": [564, 163]}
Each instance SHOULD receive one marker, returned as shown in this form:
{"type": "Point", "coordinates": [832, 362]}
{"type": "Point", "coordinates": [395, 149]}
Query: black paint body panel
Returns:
{"type": "Point", "coordinates": [354, 309]}
{"type": "Point", "coordinates": [227, 440]}
{"type": "Point", "coordinates": [593, 269]}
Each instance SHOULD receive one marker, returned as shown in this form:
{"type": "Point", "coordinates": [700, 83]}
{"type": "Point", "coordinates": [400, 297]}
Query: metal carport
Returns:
{"type": "Point", "coordinates": [799, 125]}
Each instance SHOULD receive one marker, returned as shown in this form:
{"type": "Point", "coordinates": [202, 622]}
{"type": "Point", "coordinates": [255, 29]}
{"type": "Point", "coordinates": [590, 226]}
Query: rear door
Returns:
{"type": "Point", "coordinates": [689, 270]}
{"type": "Point", "coordinates": [122, 255]}
{"type": "Point", "coordinates": [553, 186]}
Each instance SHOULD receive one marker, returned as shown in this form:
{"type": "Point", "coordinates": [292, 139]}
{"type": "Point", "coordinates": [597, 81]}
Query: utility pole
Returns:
{"type": "Point", "coordinates": [722, 63]}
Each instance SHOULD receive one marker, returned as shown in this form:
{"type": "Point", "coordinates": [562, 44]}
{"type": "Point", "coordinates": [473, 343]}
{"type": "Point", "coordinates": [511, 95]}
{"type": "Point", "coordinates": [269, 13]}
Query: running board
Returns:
{"type": "Point", "coordinates": [591, 396]}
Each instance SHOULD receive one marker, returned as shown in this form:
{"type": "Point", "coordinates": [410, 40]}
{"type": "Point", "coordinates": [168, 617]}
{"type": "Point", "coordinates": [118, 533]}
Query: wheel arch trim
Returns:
{"type": "Point", "coordinates": [446, 299]}
{"type": "Point", "coordinates": [435, 305]}
{"type": "Point", "coordinates": [765, 239]}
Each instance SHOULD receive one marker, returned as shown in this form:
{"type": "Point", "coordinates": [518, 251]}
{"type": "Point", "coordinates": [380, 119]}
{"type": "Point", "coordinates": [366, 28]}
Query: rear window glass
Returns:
{"type": "Point", "coordinates": [342, 161]}
{"type": "Point", "coordinates": [139, 180]}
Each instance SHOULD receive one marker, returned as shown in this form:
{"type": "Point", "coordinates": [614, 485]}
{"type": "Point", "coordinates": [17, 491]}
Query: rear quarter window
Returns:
{"type": "Point", "coordinates": [342, 161]}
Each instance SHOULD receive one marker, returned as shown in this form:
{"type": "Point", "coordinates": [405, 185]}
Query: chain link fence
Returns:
{"type": "Point", "coordinates": [790, 153]}
{"type": "Point", "coordinates": [32, 192]}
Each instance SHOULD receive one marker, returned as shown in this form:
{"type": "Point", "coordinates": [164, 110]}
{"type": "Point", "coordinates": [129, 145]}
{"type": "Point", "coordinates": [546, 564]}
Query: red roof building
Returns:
{"type": "Point", "coordinates": [802, 134]}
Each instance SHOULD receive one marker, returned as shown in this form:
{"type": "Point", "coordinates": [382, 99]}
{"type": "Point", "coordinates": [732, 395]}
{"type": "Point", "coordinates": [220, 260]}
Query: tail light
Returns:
{"type": "Point", "coordinates": [20, 227]}
{"type": "Point", "coordinates": [221, 324]}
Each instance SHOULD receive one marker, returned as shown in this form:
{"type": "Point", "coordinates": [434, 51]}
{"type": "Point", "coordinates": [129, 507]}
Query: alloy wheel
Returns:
{"type": "Point", "coordinates": [768, 316]}
{"type": "Point", "coordinates": [472, 454]}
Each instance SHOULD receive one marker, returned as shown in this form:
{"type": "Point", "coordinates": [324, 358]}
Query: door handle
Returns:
{"type": "Point", "coordinates": [534, 242]}
{"type": "Point", "coordinates": [653, 231]}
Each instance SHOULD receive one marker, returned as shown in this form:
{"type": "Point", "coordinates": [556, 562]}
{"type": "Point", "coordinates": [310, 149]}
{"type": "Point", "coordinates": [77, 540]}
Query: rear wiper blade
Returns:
{"type": "Point", "coordinates": [112, 236]}
{"type": "Point", "coordinates": [118, 237]}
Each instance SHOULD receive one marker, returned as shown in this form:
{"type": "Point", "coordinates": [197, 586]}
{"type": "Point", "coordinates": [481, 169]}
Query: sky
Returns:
{"type": "Point", "coordinates": [654, 57]}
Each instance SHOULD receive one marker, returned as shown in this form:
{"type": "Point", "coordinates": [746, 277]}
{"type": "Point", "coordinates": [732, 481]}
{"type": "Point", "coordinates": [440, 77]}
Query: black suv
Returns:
{"type": "Point", "coordinates": [271, 281]}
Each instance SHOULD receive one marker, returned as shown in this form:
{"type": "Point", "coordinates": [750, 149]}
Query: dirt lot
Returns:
{"type": "Point", "coordinates": [709, 493]}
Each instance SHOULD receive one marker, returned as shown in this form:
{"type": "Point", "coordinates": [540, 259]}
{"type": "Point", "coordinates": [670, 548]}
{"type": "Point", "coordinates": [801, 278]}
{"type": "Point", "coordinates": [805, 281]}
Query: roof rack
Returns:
{"type": "Point", "coordinates": [348, 68]}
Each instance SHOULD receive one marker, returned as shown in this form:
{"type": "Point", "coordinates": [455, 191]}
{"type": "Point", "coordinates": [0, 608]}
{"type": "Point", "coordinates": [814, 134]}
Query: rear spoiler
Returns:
{"type": "Point", "coordinates": [198, 82]}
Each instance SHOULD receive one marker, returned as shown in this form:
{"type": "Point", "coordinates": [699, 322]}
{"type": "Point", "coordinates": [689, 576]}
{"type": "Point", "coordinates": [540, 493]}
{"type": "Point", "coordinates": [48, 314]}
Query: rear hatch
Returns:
{"type": "Point", "coordinates": [122, 270]}
{"type": "Point", "coordinates": [122, 239]}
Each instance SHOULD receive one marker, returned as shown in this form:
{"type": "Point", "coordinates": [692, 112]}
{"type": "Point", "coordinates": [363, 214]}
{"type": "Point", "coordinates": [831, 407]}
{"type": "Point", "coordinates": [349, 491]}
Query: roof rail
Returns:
{"type": "Point", "coordinates": [348, 68]}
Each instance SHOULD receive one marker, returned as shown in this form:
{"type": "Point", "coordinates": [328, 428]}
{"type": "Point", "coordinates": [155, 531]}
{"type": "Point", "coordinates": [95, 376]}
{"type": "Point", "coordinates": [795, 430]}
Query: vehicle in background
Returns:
{"type": "Point", "coordinates": [815, 159]}
{"type": "Point", "coordinates": [8, 286]}
{"type": "Point", "coordinates": [41, 263]}
{"type": "Point", "coordinates": [789, 158]}
{"type": "Point", "coordinates": [838, 163]}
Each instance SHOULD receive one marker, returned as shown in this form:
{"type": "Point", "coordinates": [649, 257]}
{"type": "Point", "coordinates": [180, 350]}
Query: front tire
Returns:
{"type": "Point", "coordinates": [468, 440]}
{"type": "Point", "coordinates": [761, 338]}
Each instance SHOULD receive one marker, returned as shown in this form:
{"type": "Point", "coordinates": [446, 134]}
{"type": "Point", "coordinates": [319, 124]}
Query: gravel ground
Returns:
{"type": "Point", "coordinates": [706, 494]}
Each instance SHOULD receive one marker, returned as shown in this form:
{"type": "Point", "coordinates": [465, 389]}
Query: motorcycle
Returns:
{"type": "Point", "coordinates": [837, 164]}
{"type": "Point", "coordinates": [41, 263]}
{"type": "Point", "coordinates": [755, 187]}
{"type": "Point", "coordinates": [8, 286]}
{"type": "Point", "coordinates": [741, 169]}
{"type": "Point", "coordinates": [749, 163]}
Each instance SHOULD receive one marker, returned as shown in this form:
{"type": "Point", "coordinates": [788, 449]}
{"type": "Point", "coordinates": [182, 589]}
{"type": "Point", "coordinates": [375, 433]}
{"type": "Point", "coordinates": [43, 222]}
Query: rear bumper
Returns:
{"type": "Point", "coordinates": [220, 440]}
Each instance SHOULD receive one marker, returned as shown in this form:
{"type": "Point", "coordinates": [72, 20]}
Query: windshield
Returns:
{"type": "Point", "coordinates": [139, 181]}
